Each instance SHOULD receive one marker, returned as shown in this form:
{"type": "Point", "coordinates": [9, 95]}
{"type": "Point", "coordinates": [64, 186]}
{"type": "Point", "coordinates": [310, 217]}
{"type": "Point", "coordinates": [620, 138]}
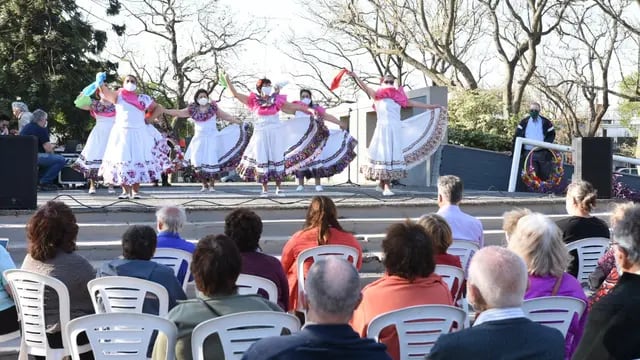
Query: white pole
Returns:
{"type": "Point", "coordinates": [514, 165]}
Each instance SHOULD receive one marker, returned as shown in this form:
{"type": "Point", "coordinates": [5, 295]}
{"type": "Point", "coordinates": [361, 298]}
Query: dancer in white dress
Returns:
{"type": "Point", "coordinates": [212, 152]}
{"type": "Point", "coordinates": [128, 159]}
{"type": "Point", "coordinates": [338, 151]}
{"type": "Point", "coordinates": [89, 161]}
{"type": "Point", "coordinates": [398, 145]}
{"type": "Point", "coordinates": [276, 147]}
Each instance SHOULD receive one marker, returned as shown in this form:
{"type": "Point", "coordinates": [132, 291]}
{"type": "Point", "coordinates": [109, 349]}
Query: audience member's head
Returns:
{"type": "Point", "coordinates": [244, 227]}
{"type": "Point", "coordinates": [510, 220]}
{"type": "Point", "coordinates": [170, 218]}
{"type": "Point", "coordinates": [139, 242]}
{"type": "Point", "coordinates": [332, 291]}
{"type": "Point", "coordinates": [626, 234]}
{"type": "Point", "coordinates": [39, 117]}
{"type": "Point", "coordinates": [618, 211]}
{"type": "Point", "coordinates": [18, 108]}
{"type": "Point", "coordinates": [497, 279]}
{"type": "Point", "coordinates": [322, 215]}
{"type": "Point", "coordinates": [538, 241]}
{"type": "Point", "coordinates": [581, 198]}
{"type": "Point", "coordinates": [408, 251]}
{"type": "Point", "coordinates": [52, 228]}
{"type": "Point", "coordinates": [438, 230]}
{"type": "Point", "coordinates": [449, 190]}
{"type": "Point", "coordinates": [215, 265]}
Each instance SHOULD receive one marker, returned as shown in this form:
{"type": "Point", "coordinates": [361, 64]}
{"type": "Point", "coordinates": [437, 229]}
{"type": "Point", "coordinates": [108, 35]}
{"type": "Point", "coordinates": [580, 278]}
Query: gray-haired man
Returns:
{"type": "Point", "coordinates": [21, 112]}
{"type": "Point", "coordinates": [50, 163]}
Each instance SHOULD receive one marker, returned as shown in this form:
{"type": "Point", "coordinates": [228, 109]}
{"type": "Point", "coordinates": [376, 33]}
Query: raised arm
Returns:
{"type": "Point", "coordinates": [227, 117]}
{"type": "Point", "coordinates": [370, 92]}
{"type": "Point", "coordinates": [333, 119]}
{"type": "Point", "coordinates": [181, 113]}
{"type": "Point", "coordinates": [110, 95]}
{"type": "Point", "coordinates": [157, 111]}
{"type": "Point", "coordinates": [80, 102]}
{"type": "Point", "coordinates": [291, 108]}
{"type": "Point", "coordinates": [421, 105]}
{"type": "Point", "coordinates": [242, 97]}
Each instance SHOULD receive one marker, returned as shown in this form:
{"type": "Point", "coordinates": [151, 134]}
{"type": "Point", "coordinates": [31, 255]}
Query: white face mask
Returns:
{"type": "Point", "coordinates": [306, 101]}
{"type": "Point", "coordinates": [203, 101]}
{"type": "Point", "coordinates": [267, 90]}
{"type": "Point", "coordinates": [129, 86]}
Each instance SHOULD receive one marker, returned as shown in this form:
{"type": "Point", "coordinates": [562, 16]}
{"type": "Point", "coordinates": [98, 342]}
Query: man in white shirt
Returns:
{"type": "Point", "coordinates": [463, 226]}
{"type": "Point", "coordinates": [495, 287]}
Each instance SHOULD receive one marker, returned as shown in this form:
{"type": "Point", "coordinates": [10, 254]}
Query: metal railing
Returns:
{"type": "Point", "coordinates": [520, 141]}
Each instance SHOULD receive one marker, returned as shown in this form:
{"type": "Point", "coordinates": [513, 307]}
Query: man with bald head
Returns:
{"type": "Point", "coordinates": [332, 292]}
{"type": "Point", "coordinates": [495, 287]}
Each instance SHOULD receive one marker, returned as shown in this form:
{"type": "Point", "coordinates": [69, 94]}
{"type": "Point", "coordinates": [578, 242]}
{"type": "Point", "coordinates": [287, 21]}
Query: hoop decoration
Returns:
{"type": "Point", "coordinates": [534, 182]}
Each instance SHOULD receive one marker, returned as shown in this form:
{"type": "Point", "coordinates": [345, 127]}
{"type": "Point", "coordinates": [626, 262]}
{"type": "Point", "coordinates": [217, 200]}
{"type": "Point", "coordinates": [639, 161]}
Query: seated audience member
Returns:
{"type": "Point", "coordinates": [4, 124]}
{"type": "Point", "coordinates": [606, 276]}
{"type": "Point", "coordinates": [438, 229]}
{"type": "Point", "coordinates": [50, 163]}
{"type": "Point", "coordinates": [8, 314]}
{"type": "Point", "coordinates": [495, 287]}
{"type": "Point", "coordinates": [580, 201]}
{"type": "Point", "coordinates": [169, 221]}
{"type": "Point", "coordinates": [510, 221]}
{"type": "Point", "coordinates": [244, 227]}
{"type": "Point", "coordinates": [215, 266]}
{"type": "Point", "coordinates": [409, 280]}
{"type": "Point", "coordinates": [51, 245]}
{"type": "Point", "coordinates": [332, 293]}
{"type": "Point", "coordinates": [138, 247]}
{"type": "Point", "coordinates": [321, 228]}
{"type": "Point", "coordinates": [538, 241]}
{"type": "Point", "coordinates": [463, 226]}
{"type": "Point", "coordinates": [21, 112]}
{"type": "Point", "coordinates": [612, 329]}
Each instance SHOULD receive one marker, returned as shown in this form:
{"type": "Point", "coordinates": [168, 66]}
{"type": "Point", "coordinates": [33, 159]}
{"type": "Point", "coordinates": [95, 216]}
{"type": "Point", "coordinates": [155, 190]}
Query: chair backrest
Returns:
{"type": "Point", "coordinates": [418, 327]}
{"type": "Point", "coordinates": [450, 274]}
{"type": "Point", "coordinates": [28, 291]}
{"type": "Point", "coordinates": [250, 284]}
{"type": "Point", "coordinates": [239, 331]}
{"type": "Point", "coordinates": [589, 251]}
{"type": "Point", "coordinates": [554, 311]}
{"type": "Point", "coordinates": [174, 258]}
{"type": "Point", "coordinates": [121, 336]}
{"type": "Point", "coordinates": [463, 249]}
{"type": "Point", "coordinates": [318, 252]}
{"type": "Point", "coordinates": [117, 294]}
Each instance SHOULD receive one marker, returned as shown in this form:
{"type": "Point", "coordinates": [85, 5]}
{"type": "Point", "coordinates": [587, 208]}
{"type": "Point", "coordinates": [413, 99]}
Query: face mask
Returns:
{"type": "Point", "coordinates": [267, 90]}
{"type": "Point", "coordinates": [203, 101]}
{"type": "Point", "coordinates": [129, 86]}
{"type": "Point", "coordinates": [306, 101]}
{"type": "Point", "coordinates": [534, 113]}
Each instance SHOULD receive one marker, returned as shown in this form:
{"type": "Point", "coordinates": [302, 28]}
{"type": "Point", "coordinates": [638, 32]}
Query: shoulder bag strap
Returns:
{"type": "Point", "coordinates": [209, 307]}
{"type": "Point", "coordinates": [556, 287]}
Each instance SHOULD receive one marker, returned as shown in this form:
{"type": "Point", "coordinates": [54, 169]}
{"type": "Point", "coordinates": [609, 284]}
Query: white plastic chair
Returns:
{"type": "Point", "coordinates": [554, 311]}
{"type": "Point", "coordinates": [174, 258]}
{"type": "Point", "coordinates": [346, 252]}
{"type": "Point", "coordinates": [28, 291]}
{"type": "Point", "coordinates": [117, 294]}
{"type": "Point", "coordinates": [121, 335]}
{"type": "Point", "coordinates": [239, 331]}
{"type": "Point", "coordinates": [463, 249]}
{"type": "Point", "coordinates": [589, 251]}
{"type": "Point", "coordinates": [418, 327]}
{"type": "Point", "coordinates": [250, 284]}
{"type": "Point", "coordinates": [450, 274]}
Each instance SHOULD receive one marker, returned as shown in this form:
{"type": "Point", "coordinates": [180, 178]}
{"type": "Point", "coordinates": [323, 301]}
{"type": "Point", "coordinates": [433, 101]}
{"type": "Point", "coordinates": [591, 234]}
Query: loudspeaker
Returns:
{"type": "Point", "coordinates": [19, 179]}
{"type": "Point", "coordinates": [594, 163]}
{"type": "Point", "coordinates": [67, 175]}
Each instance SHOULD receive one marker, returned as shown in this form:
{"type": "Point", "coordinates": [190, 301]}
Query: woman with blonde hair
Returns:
{"type": "Point", "coordinates": [580, 201]}
{"type": "Point", "coordinates": [510, 220]}
{"type": "Point", "coordinates": [321, 227]}
{"type": "Point", "coordinates": [538, 241]}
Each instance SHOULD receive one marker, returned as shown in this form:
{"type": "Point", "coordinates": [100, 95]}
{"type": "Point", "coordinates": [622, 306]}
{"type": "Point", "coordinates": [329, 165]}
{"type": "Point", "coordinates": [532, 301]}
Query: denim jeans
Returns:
{"type": "Point", "coordinates": [51, 164]}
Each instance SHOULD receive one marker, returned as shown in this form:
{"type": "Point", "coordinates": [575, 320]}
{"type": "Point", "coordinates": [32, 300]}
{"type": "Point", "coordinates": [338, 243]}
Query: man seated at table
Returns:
{"type": "Point", "coordinates": [50, 163]}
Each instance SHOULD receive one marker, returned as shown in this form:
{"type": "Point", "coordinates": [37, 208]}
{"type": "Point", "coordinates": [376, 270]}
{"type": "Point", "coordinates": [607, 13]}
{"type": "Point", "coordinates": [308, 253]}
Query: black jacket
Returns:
{"type": "Point", "coordinates": [612, 325]}
{"type": "Point", "coordinates": [547, 129]}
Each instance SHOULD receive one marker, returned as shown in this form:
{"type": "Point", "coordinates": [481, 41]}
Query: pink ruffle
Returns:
{"type": "Point", "coordinates": [274, 108]}
{"type": "Point", "coordinates": [132, 98]}
{"type": "Point", "coordinates": [394, 94]}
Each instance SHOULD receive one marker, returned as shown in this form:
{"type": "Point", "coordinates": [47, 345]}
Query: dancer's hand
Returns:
{"type": "Point", "coordinates": [343, 125]}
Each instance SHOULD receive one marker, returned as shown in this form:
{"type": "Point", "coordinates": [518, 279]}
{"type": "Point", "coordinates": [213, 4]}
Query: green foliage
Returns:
{"type": "Point", "coordinates": [627, 109]}
{"type": "Point", "coordinates": [47, 56]}
{"type": "Point", "coordinates": [475, 120]}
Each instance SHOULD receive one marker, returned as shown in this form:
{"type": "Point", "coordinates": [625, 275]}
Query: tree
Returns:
{"type": "Point", "coordinates": [194, 41]}
{"type": "Point", "coordinates": [48, 53]}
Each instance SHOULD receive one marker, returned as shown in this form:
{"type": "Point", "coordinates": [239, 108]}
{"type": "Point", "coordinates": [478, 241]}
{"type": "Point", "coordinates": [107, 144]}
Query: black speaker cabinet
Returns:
{"type": "Point", "coordinates": [594, 163]}
{"type": "Point", "coordinates": [19, 175]}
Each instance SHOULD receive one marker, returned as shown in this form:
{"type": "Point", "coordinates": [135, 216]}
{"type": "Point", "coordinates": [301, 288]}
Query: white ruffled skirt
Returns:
{"type": "Point", "coordinates": [89, 161]}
